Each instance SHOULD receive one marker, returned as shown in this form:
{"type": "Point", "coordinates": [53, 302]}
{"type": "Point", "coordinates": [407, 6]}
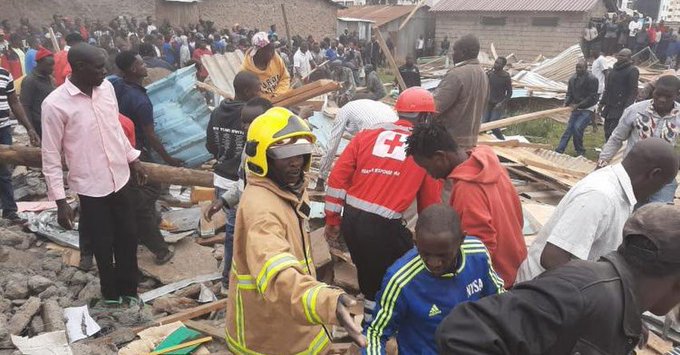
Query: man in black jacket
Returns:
{"type": "Point", "coordinates": [500, 91]}
{"type": "Point", "coordinates": [620, 91]}
{"type": "Point", "coordinates": [410, 73]}
{"type": "Point", "coordinates": [582, 97]}
{"type": "Point", "coordinates": [583, 307]}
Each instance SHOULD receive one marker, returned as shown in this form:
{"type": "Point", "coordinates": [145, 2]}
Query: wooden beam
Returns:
{"type": "Point", "coordinates": [493, 51]}
{"type": "Point", "coordinates": [31, 156]}
{"type": "Point", "coordinates": [390, 58]}
{"type": "Point", "coordinates": [413, 12]}
{"type": "Point", "coordinates": [522, 118]}
{"type": "Point", "coordinates": [515, 143]}
{"type": "Point", "coordinates": [215, 89]}
{"type": "Point", "coordinates": [306, 92]}
{"type": "Point", "coordinates": [187, 314]}
{"type": "Point", "coordinates": [55, 42]}
{"type": "Point", "coordinates": [205, 328]}
{"type": "Point", "coordinates": [285, 22]}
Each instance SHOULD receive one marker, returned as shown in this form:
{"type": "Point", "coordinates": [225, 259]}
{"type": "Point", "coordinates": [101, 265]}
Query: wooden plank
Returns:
{"type": "Point", "coordinates": [659, 345]}
{"type": "Point", "coordinates": [493, 51]}
{"type": "Point", "coordinates": [216, 332]}
{"type": "Point", "coordinates": [515, 143]}
{"type": "Point", "coordinates": [211, 240]}
{"type": "Point", "coordinates": [555, 168]}
{"type": "Point", "coordinates": [55, 43]}
{"type": "Point", "coordinates": [413, 12]}
{"type": "Point", "coordinates": [390, 58]}
{"type": "Point", "coordinates": [324, 87]}
{"type": "Point", "coordinates": [188, 314]}
{"type": "Point", "coordinates": [521, 118]}
{"type": "Point", "coordinates": [285, 22]}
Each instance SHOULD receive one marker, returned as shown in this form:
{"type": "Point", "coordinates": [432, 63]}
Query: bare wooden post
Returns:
{"type": "Point", "coordinates": [390, 58]}
{"type": "Point", "coordinates": [285, 22]}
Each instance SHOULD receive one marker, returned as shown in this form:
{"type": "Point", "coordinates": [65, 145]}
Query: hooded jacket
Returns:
{"type": "Point", "coordinates": [276, 305]}
{"type": "Point", "coordinates": [225, 138]}
{"type": "Point", "coordinates": [275, 79]}
{"type": "Point", "coordinates": [490, 210]}
{"type": "Point", "coordinates": [621, 88]}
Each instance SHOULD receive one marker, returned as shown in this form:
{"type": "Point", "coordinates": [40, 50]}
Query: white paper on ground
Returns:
{"type": "Point", "coordinates": [53, 343]}
{"type": "Point", "coordinates": [79, 324]}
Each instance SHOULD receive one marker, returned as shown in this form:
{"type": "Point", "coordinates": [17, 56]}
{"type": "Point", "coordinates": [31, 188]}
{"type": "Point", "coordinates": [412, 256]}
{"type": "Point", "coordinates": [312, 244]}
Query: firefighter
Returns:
{"type": "Point", "coordinates": [276, 305]}
{"type": "Point", "coordinates": [372, 184]}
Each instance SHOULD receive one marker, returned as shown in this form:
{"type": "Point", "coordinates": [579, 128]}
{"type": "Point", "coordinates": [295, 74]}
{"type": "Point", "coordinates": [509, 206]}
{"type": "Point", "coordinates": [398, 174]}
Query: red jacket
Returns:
{"type": "Point", "coordinates": [62, 69]}
{"type": "Point", "coordinates": [489, 209]}
{"type": "Point", "coordinates": [374, 174]}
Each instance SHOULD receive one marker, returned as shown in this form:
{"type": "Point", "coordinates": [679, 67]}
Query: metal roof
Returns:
{"type": "Point", "coordinates": [380, 14]}
{"type": "Point", "coordinates": [515, 5]}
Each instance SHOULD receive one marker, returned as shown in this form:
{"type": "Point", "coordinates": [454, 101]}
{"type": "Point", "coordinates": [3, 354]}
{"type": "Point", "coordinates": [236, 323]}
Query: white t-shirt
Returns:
{"type": "Point", "coordinates": [301, 62]}
{"type": "Point", "coordinates": [634, 27]}
{"type": "Point", "coordinates": [599, 66]}
{"type": "Point", "coordinates": [420, 44]}
{"type": "Point", "coordinates": [588, 222]}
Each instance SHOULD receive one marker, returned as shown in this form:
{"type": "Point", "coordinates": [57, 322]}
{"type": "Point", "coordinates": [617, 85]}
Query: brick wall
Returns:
{"type": "Point", "coordinates": [518, 35]}
{"type": "Point", "coordinates": [305, 17]}
{"type": "Point", "coordinates": [40, 12]}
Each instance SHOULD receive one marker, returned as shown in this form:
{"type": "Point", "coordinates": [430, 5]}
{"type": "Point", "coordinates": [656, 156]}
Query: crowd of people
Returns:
{"type": "Point", "coordinates": [463, 283]}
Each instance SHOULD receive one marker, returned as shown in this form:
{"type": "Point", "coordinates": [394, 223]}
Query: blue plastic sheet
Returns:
{"type": "Point", "coordinates": [181, 116]}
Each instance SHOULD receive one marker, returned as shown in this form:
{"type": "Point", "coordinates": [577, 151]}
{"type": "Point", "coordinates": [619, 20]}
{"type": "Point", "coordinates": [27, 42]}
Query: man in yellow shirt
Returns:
{"type": "Point", "coordinates": [262, 60]}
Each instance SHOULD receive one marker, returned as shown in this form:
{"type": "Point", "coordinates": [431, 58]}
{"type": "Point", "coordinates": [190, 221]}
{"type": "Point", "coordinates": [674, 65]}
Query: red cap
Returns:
{"type": "Point", "coordinates": [415, 100]}
{"type": "Point", "coordinates": [42, 53]}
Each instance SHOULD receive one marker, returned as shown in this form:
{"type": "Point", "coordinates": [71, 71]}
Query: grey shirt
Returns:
{"type": "Point", "coordinates": [34, 89]}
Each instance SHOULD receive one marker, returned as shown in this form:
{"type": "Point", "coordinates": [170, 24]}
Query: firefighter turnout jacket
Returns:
{"type": "Point", "coordinates": [373, 174]}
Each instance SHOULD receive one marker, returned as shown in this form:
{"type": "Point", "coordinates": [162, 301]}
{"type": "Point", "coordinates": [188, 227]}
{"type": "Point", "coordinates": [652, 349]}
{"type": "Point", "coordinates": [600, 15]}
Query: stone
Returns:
{"type": "Point", "coordinates": [37, 325]}
{"type": "Point", "coordinates": [29, 239]}
{"type": "Point", "coordinates": [16, 289]}
{"type": "Point", "coordinates": [122, 336]}
{"type": "Point", "coordinates": [89, 292]}
{"type": "Point", "coordinates": [53, 265]}
{"type": "Point", "coordinates": [5, 341]}
{"type": "Point", "coordinates": [23, 315]}
{"type": "Point", "coordinates": [18, 302]}
{"type": "Point", "coordinates": [81, 348]}
{"type": "Point", "coordinates": [79, 278]}
{"type": "Point", "coordinates": [50, 292]}
{"type": "Point", "coordinates": [4, 254]}
{"type": "Point", "coordinates": [10, 238]}
{"type": "Point", "coordinates": [5, 305]}
{"type": "Point", "coordinates": [66, 274]}
{"type": "Point", "coordinates": [38, 284]}
{"type": "Point", "coordinates": [172, 304]}
{"type": "Point", "coordinates": [53, 316]}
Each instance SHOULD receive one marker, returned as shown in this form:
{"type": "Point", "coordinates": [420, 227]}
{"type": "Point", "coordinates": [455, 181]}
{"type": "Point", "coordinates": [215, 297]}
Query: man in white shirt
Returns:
{"type": "Point", "coordinates": [588, 222]}
{"type": "Point", "coordinates": [303, 61]}
{"type": "Point", "coordinates": [599, 67]}
{"type": "Point", "coordinates": [352, 118]}
{"type": "Point", "coordinates": [420, 45]}
{"type": "Point", "coordinates": [633, 27]}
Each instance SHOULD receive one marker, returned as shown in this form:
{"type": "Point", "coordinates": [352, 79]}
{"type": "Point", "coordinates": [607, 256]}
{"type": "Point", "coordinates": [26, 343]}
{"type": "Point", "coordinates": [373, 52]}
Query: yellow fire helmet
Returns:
{"type": "Point", "coordinates": [279, 134]}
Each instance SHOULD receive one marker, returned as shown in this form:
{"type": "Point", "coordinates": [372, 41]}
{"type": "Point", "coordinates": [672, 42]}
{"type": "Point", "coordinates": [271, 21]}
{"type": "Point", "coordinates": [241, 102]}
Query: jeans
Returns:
{"type": "Point", "coordinates": [9, 206]}
{"type": "Point", "coordinates": [578, 122]}
{"type": "Point", "coordinates": [665, 195]}
{"type": "Point", "coordinates": [228, 238]}
{"type": "Point", "coordinates": [493, 115]}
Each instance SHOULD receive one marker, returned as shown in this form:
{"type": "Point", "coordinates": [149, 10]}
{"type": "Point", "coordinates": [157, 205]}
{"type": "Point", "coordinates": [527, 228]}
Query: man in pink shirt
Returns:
{"type": "Point", "coordinates": [80, 123]}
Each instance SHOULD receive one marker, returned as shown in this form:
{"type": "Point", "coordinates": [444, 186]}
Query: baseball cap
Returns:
{"type": "Point", "coordinates": [659, 224]}
{"type": "Point", "coordinates": [42, 53]}
{"type": "Point", "coordinates": [259, 40]}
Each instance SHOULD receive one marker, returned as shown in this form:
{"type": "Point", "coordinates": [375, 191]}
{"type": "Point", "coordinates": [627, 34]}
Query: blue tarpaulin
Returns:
{"type": "Point", "coordinates": [181, 116]}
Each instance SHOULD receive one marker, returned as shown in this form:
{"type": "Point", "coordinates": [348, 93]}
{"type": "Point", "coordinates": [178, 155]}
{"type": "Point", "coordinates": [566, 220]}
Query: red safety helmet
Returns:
{"type": "Point", "coordinates": [415, 100]}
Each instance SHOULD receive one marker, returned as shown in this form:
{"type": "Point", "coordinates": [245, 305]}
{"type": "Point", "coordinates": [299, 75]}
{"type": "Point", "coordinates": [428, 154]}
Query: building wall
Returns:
{"type": "Point", "coordinates": [40, 12]}
{"type": "Point", "coordinates": [518, 35]}
{"type": "Point", "coordinates": [405, 40]}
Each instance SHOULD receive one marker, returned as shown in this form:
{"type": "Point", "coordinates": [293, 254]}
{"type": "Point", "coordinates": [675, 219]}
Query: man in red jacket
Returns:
{"type": "Point", "coordinates": [481, 193]}
{"type": "Point", "coordinates": [372, 184]}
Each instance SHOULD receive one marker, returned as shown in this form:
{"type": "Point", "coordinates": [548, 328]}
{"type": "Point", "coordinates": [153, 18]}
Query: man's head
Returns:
{"type": "Point", "coordinates": [438, 238]}
{"type": "Point", "coordinates": [651, 245]}
{"type": "Point", "coordinates": [44, 62]}
{"type": "Point", "coordinates": [499, 64]}
{"type": "Point", "coordinates": [131, 65]}
{"type": "Point", "coordinates": [581, 67]}
{"type": "Point", "coordinates": [433, 149]}
{"type": "Point", "coordinates": [73, 38]}
{"type": "Point", "coordinates": [624, 55]}
{"type": "Point", "coordinates": [88, 64]}
{"type": "Point", "coordinates": [253, 109]}
{"type": "Point", "coordinates": [466, 48]}
{"type": "Point", "coordinates": [304, 47]}
{"type": "Point", "coordinates": [409, 60]}
{"type": "Point", "coordinates": [202, 44]}
{"type": "Point", "coordinates": [665, 93]}
{"type": "Point", "coordinates": [33, 43]}
{"type": "Point", "coordinates": [262, 49]}
{"type": "Point", "coordinates": [651, 164]}
{"type": "Point", "coordinates": [273, 28]}
{"type": "Point", "coordinates": [146, 50]}
{"type": "Point", "coordinates": [246, 86]}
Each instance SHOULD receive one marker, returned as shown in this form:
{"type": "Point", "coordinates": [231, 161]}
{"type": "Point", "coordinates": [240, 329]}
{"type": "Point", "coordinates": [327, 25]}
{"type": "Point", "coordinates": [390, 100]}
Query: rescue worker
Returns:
{"type": "Point", "coordinates": [276, 305]}
{"type": "Point", "coordinates": [372, 184]}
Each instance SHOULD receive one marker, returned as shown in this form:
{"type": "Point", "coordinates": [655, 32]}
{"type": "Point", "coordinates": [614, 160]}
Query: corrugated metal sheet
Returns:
{"type": "Point", "coordinates": [515, 5]}
{"type": "Point", "coordinates": [222, 69]}
{"type": "Point", "coordinates": [380, 14]}
{"type": "Point", "coordinates": [181, 116]}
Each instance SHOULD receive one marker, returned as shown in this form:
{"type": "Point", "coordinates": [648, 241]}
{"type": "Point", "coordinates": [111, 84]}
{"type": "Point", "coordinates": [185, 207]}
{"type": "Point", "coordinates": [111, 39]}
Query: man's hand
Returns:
{"type": "Point", "coordinates": [332, 232]}
{"type": "Point", "coordinates": [216, 206]}
{"type": "Point", "coordinates": [601, 164]}
{"type": "Point", "coordinates": [64, 214]}
{"type": "Point", "coordinates": [174, 161]}
{"type": "Point", "coordinates": [34, 138]}
{"type": "Point", "coordinates": [342, 312]}
{"type": "Point", "coordinates": [138, 173]}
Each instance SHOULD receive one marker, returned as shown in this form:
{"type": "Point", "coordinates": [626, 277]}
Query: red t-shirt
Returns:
{"type": "Point", "coordinates": [128, 128]}
{"type": "Point", "coordinates": [198, 53]}
{"type": "Point", "coordinates": [61, 67]}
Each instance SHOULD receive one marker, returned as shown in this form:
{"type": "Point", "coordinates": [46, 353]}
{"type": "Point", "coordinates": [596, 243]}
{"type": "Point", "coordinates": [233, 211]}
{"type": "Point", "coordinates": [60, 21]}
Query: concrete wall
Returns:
{"type": "Point", "coordinates": [40, 12]}
{"type": "Point", "coordinates": [518, 35]}
{"type": "Point", "coordinates": [405, 40]}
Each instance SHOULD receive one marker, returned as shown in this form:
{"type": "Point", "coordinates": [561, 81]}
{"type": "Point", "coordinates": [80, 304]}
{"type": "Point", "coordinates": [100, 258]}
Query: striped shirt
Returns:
{"type": "Point", "coordinates": [6, 88]}
{"type": "Point", "coordinates": [352, 118]}
{"type": "Point", "coordinates": [675, 351]}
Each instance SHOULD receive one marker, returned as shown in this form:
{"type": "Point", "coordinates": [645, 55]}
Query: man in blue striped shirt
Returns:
{"type": "Point", "coordinates": [418, 291]}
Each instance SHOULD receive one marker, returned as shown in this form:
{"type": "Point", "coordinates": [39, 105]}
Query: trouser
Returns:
{"type": "Point", "coordinates": [374, 243]}
{"type": "Point", "coordinates": [631, 43]}
{"type": "Point", "coordinates": [108, 223]}
{"type": "Point", "coordinates": [578, 122]}
{"type": "Point", "coordinates": [611, 120]}
{"type": "Point", "coordinates": [9, 206]}
{"type": "Point", "coordinates": [147, 217]}
{"type": "Point", "coordinates": [609, 45]}
{"type": "Point", "coordinates": [491, 115]}
{"type": "Point", "coordinates": [228, 238]}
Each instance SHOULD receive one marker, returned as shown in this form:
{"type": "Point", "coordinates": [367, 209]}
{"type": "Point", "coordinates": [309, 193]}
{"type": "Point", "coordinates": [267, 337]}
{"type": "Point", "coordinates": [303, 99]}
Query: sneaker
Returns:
{"type": "Point", "coordinates": [107, 304]}
{"type": "Point", "coordinates": [132, 301]}
{"type": "Point", "coordinates": [164, 258]}
{"type": "Point", "coordinates": [86, 263]}
{"type": "Point", "coordinates": [14, 218]}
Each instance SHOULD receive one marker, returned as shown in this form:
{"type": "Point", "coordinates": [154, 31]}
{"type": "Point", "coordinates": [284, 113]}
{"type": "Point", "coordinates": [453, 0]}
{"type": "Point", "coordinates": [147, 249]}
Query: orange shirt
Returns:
{"type": "Point", "coordinates": [61, 67]}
